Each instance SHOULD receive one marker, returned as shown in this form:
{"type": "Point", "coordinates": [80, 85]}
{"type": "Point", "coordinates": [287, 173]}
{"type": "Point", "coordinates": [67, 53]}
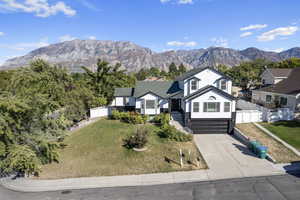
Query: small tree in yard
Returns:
{"type": "Point", "coordinates": [138, 140]}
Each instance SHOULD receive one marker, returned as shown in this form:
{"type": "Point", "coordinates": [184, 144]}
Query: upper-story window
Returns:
{"type": "Point", "coordinates": [223, 85]}
{"type": "Point", "coordinates": [194, 84]}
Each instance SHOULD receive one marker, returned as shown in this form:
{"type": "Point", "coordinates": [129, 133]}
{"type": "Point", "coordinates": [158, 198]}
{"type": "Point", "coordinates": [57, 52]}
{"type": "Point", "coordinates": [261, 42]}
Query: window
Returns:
{"type": "Point", "coordinates": [211, 107]}
{"type": "Point", "coordinates": [196, 107]}
{"type": "Point", "coordinates": [194, 85]}
{"type": "Point", "coordinates": [268, 98]}
{"type": "Point", "coordinates": [227, 107]}
{"type": "Point", "coordinates": [283, 101]}
{"type": "Point", "coordinates": [223, 85]}
{"type": "Point", "coordinates": [150, 104]}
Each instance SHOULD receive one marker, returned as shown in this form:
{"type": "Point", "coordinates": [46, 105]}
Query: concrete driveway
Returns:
{"type": "Point", "coordinates": [226, 157]}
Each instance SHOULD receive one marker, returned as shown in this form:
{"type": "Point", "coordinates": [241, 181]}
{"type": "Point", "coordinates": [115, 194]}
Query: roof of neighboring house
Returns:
{"type": "Point", "coordinates": [163, 89]}
{"type": "Point", "coordinates": [123, 92]}
{"type": "Point", "coordinates": [280, 72]}
{"type": "Point", "coordinates": [192, 72]}
{"type": "Point", "coordinates": [290, 86]}
{"type": "Point", "coordinates": [207, 89]}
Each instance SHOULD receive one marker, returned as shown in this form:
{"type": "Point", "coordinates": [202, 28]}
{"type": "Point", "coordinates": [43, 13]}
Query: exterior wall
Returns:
{"type": "Point", "coordinates": [260, 97]}
{"type": "Point", "coordinates": [298, 103]}
{"type": "Point", "coordinates": [160, 104]}
{"type": "Point", "coordinates": [99, 112]}
{"type": "Point", "coordinates": [267, 78]}
{"type": "Point", "coordinates": [206, 98]}
{"type": "Point", "coordinates": [119, 101]}
{"type": "Point", "coordinates": [206, 77]}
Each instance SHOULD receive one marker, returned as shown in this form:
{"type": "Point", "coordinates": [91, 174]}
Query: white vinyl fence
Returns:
{"type": "Point", "coordinates": [256, 113]}
{"type": "Point", "coordinates": [99, 112]}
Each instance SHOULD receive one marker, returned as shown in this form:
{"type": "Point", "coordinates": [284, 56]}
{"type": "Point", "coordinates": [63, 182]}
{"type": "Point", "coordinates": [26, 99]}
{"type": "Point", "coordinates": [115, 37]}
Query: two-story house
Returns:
{"type": "Point", "coordinates": [202, 96]}
{"type": "Point", "coordinates": [273, 76]}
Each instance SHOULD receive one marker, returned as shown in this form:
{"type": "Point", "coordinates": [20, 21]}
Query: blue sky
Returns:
{"type": "Point", "coordinates": [158, 24]}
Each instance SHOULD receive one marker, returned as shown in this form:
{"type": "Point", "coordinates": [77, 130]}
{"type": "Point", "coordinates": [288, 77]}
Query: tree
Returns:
{"type": "Point", "coordinates": [107, 78]}
{"type": "Point", "coordinates": [182, 69]}
{"type": "Point", "coordinates": [155, 72]}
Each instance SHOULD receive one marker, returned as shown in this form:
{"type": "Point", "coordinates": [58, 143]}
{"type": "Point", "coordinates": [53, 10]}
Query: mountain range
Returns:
{"type": "Point", "coordinates": [77, 53]}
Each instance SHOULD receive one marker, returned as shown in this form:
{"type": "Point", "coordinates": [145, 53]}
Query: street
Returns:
{"type": "Point", "coordinates": [285, 187]}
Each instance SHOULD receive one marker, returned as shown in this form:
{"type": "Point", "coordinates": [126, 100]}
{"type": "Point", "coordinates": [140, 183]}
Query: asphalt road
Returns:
{"type": "Point", "coordinates": [262, 188]}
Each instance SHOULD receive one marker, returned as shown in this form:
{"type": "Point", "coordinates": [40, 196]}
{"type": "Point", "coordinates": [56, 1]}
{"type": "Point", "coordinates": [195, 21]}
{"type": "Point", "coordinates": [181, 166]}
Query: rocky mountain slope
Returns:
{"type": "Point", "coordinates": [77, 53]}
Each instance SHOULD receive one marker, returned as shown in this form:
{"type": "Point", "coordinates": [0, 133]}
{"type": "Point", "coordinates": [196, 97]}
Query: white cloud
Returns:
{"type": "Point", "coordinates": [89, 5]}
{"type": "Point", "coordinates": [185, 2]}
{"type": "Point", "coordinates": [1, 33]}
{"type": "Point", "coordinates": [246, 34]}
{"type": "Point", "coordinates": [254, 27]}
{"type": "Point", "coordinates": [26, 45]}
{"type": "Point", "coordinates": [41, 8]}
{"type": "Point", "coordinates": [281, 31]}
{"type": "Point", "coordinates": [164, 1]}
{"type": "Point", "coordinates": [179, 1]}
{"type": "Point", "coordinates": [219, 42]}
{"type": "Point", "coordinates": [65, 38]}
{"type": "Point", "coordinates": [277, 50]}
{"type": "Point", "coordinates": [182, 44]}
{"type": "Point", "coordinates": [92, 37]}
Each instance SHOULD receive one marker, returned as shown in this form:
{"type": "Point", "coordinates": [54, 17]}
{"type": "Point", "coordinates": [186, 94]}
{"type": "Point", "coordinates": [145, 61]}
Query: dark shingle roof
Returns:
{"type": "Point", "coordinates": [196, 71]}
{"type": "Point", "coordinates": [163, 89]}
{"type": "Point", "coordinates": [290, 86]}
{"type": "Point", "coordinates": [280, 72]}
{"type": "Point", "coordinates": [123, 92]}
{"type": "Point", "coordinates": [207, 89]}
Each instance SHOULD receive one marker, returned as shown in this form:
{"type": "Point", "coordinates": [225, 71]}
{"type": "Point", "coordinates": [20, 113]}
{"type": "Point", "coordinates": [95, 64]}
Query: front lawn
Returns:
{"type": "Point", "coordinates": [289, 131]}
{"type": "Point", "coordinates": [97, 150]}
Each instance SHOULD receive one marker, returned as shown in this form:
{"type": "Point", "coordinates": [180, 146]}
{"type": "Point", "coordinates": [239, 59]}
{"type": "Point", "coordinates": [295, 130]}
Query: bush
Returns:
{"type": "Point", "coordinates": [171, 133]}
{"type": "Point", "coordinates": [162, 119]}
{"type": "Point", "coordinates": [129, 117]}
{"type": "Point", "coordinates": [138, 140]}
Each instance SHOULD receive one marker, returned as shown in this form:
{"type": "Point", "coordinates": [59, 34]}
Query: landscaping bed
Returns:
{"type": "Point", "coordinates": [289, 131]}
{"type": "Point", "coordinates": [277, 150]}
{"type": "Point", "coordinates": [97, 150]}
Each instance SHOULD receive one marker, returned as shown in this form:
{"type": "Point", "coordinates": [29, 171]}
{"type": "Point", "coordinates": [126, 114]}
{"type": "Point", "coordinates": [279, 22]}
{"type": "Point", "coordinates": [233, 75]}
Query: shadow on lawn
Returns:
{"type": "Point", "coordinates": [291, 124]}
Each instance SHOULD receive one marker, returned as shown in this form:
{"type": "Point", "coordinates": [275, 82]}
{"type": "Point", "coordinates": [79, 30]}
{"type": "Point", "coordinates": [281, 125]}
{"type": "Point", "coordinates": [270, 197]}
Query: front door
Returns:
{"type": "Point", "coordinates": [175, 105]}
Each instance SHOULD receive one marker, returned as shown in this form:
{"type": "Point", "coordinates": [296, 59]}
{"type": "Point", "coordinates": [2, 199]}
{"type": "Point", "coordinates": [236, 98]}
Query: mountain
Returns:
{"type": "Point", "coordinates": [77, 53]}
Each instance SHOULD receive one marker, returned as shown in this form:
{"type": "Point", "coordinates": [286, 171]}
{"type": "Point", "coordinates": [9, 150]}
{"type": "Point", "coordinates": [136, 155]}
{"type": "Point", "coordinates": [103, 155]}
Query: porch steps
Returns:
{"type": "Point", "coordinates": [177, 121]}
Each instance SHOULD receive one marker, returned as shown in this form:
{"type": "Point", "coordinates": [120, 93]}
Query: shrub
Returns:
{"type": "Point", "coordinates": [129, 117]}
{"type": "Point", "coordinates": [138, 140]}
{"type": "Point", "coordinates": [162, 119]}
{"type": "Point", "coordinates": [171, 133]}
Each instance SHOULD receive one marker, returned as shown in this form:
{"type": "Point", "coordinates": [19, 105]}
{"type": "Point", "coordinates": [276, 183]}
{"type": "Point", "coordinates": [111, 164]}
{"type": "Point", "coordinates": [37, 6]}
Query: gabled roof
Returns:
{"type": "Point", "coordinates": [207, 89]}
{"type": "Point", "coordinates": [290, 86]}
{"type": "Point", "coordinates": [280, 72]}
{"type": "Point", "coordinates": [193, 72]}
{"type": "Point", "coordinates": [162, 89]}
{"type": "Point", "coordinates": [123, 92]}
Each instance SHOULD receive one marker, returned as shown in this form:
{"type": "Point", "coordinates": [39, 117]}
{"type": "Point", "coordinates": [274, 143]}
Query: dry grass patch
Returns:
{"type": "Point", "coordinates": [96, 150]}
{"type": "Point", "coordinates": [278, 151]}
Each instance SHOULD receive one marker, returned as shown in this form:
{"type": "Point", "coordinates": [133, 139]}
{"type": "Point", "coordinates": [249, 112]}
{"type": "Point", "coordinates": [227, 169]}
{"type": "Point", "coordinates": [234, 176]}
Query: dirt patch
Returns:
{"type": "Point", "coordinates": [277, 150]}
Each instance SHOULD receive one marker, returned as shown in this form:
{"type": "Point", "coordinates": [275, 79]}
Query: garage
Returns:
{"type": "Point", "coordinates": [210, 126]}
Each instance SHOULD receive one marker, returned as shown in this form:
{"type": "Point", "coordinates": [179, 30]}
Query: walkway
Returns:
{"type": "Point", "coordinates": [227, 158]}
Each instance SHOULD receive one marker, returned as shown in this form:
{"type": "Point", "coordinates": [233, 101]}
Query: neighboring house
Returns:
{"type": "Point", "coordinates": [273, 76]}
{"type": "Point", "coordinates": [285, 94]}
{"type": "Point", "coordinates": [203, 96]}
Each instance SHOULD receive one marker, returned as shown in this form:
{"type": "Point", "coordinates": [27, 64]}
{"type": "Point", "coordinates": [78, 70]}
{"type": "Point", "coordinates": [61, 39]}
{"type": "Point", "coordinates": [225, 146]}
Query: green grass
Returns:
{"type": "Point", "coordinates": [96, 150]}
{"type": "Point", "coordinates": [289, 131]}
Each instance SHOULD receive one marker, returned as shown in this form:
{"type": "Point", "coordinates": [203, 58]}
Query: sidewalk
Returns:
{"type": "Point", "coordinates": [33, 185]}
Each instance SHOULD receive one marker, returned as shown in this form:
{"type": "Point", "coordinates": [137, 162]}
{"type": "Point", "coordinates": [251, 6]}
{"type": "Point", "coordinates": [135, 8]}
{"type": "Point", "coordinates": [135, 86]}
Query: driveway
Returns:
{"type": "Point", "coordinates": [226, 157]}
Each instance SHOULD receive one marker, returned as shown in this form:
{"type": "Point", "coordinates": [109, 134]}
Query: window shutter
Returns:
{"type": "Point", "coordinates": [218, 107]}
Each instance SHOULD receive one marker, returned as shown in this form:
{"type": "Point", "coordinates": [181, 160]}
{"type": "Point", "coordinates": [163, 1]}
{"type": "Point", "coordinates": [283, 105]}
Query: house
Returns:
{"type": "Point", "coordinates": [202, 96]}
{"type": "Point", "coordinates": [284, 94]}
{"type": "Point", "coordinates": [272, 76]}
